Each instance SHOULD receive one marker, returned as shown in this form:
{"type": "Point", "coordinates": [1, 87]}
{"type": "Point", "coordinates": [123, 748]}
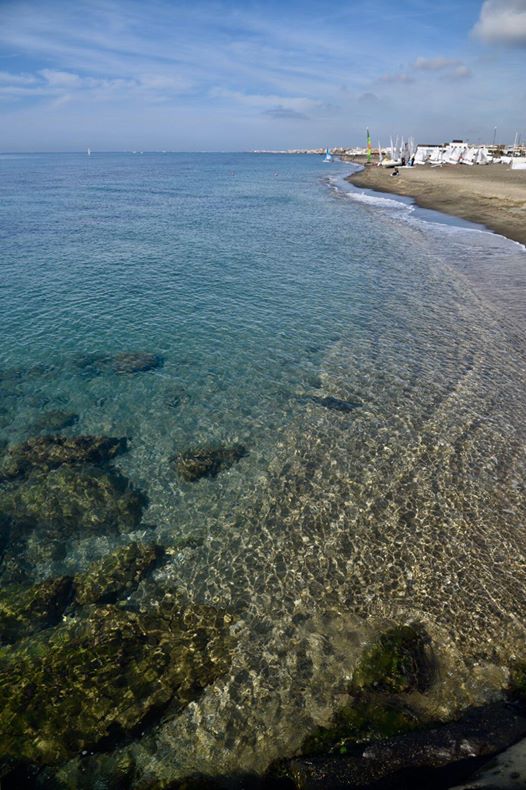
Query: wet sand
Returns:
{"type": "Point", "coordinates": [492, 195]}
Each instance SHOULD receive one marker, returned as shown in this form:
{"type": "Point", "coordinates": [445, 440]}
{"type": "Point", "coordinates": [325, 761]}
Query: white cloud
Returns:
{"type": "Point", "coordinates": [502, 21]}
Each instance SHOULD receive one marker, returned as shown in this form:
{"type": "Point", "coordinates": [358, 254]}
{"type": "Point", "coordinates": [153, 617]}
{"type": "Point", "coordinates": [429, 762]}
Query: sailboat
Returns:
{"type": "Point", "coordinates": [328, 156]}
{"type": "Point", "coordinates": [89, 151]}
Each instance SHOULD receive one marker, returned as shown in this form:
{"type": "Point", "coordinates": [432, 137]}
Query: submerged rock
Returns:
{"type": "Point", "coordinates": [208, 461]}
{"type": "Point", "coordinates": [50, 421]}
{"type": "Point", "coordinates": [117, 574]}
{"type": "Point", "coordinates": [123, 362]}
{"type": "Point", "coordinates": [400, 661]}
{"type": "Point", "coordinates": [128, 362]}
{"type": "Point", "coordinates": [26, 610]}
{"type": "Point", "coordinates": [49, 452]}
{"type": "Point", "coordinates": [95, 680]}
{"type": "Point", "coordinates": [328, 402]}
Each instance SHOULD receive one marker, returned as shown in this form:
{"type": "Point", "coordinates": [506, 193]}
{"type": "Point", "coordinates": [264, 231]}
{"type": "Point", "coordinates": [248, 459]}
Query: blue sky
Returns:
{"type": "Point", "coordinates": [120, 74]}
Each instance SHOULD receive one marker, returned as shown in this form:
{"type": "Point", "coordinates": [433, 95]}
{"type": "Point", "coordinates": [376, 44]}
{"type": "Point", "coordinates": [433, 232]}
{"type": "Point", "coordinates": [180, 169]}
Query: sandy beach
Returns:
{"type": "Point", "coordinates": [493, 195]}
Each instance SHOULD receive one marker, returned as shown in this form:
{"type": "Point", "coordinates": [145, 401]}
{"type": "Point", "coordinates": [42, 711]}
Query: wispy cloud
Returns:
{"type": "Point", "coordinates": [183, 74]}
{"type": "Point", "coordinates": [461, 72]}
{"type": "Point", "coordinates": [434, 64]}
{"type": "Point", "coordinates": [502, 21]}
{"type": "Point", "coordinates": [285, 114]}
{"type": "Point", "coordinates": [394, 78]}
{"type": "Point", "coordinates": [9, 78]}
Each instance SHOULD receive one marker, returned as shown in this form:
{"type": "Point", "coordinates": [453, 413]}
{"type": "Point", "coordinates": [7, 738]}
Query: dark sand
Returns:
{"type": "Point", "coordinates": [493, 195]}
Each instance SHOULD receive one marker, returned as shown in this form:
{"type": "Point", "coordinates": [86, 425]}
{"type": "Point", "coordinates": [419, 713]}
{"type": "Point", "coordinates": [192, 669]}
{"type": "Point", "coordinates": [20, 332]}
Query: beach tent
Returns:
{"type": "Point", "coordinates": [518, 163]}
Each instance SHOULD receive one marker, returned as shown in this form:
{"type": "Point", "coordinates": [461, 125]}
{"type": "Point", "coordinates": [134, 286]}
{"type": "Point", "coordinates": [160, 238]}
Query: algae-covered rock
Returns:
{"type": "Point", "coordinates": [50, 452]}
{"type": "Point", "coordinates": [50, 421]}
{"type": "Point", "coordinates": [43, 511]}
{"type": "Point", "coordinates": [208, 461]}
{"type": "Point", "coordinates": [117, 574]}
{"type": "Point", "coordinates": [71, 500]}
{"type": "Point", "coordinates": [399, 661]}
{"type": "Point", "coordinates": [94, 680]}
{"type": "Point", "coordinates": [26, 610]}
{"type": "Point", "coordinates": [362, 719]}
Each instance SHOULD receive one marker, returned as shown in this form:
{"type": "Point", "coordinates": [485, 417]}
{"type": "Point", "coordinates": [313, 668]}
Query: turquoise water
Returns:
{"type": "Point", "coordinates": [267, 285]}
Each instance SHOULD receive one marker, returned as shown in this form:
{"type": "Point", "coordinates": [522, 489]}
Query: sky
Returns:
{"type": "Point", "coordinates": [225, 75]}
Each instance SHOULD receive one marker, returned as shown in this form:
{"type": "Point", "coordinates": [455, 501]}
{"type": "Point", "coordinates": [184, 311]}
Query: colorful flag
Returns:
{"type": "Point", "coordinates": [369, 146]}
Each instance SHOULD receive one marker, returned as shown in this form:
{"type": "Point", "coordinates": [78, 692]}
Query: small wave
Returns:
{"type": "Point", "coordinates": [372, 199]}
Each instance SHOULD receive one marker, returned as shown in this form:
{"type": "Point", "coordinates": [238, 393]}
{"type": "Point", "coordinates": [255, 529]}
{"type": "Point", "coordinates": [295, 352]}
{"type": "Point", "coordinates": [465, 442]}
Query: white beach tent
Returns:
{"type": "Point", "coordinates": [518, 163]}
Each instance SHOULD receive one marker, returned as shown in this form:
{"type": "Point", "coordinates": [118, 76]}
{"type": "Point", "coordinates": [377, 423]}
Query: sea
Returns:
{"type": "Point", "coordinates": [370, 358]}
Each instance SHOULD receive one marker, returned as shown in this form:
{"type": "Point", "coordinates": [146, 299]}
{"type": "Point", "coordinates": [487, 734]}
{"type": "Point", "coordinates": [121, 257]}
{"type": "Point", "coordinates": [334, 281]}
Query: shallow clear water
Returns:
{"type": "Point", "coordinates": [266, 283]}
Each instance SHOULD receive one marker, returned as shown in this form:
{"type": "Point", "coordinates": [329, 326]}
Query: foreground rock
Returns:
{"type": "Point", "coordinates": [208, 461]}
{"type": "Point", "coordinates": [399, 661]}
{"type": "Point", "coordinates": [116, 575]}
{"type": "Point", "coordinates": [49, 452]}
{"type": "Point", "coordinates": [416, 760]}
{"type": "Point", "coordinates": [95, 680]}
{"type": "Point", "coordinates": [24, 611]}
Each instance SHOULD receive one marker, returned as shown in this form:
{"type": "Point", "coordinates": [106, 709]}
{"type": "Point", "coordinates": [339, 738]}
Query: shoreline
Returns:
{"type": "Point", "coordinates": [491, 195]}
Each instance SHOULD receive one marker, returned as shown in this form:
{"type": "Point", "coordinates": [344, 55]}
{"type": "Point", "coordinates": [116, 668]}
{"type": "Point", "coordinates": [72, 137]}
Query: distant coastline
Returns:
{"type": "Point", "coordinates": [492, 195]}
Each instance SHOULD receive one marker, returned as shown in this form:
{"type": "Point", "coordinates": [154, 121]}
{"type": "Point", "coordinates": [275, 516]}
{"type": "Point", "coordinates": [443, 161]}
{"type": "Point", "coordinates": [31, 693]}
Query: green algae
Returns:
{"type": "Point", "coordinates": [24, 611]}
{"type": "Point", "coordinates": [363, 719]}
{"type": "Point", "coordinates": [399, 661]}
{"type": "Point", "coordinates": [117, 574]}
{"type": "Point", "coordinates": [94, 680]}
